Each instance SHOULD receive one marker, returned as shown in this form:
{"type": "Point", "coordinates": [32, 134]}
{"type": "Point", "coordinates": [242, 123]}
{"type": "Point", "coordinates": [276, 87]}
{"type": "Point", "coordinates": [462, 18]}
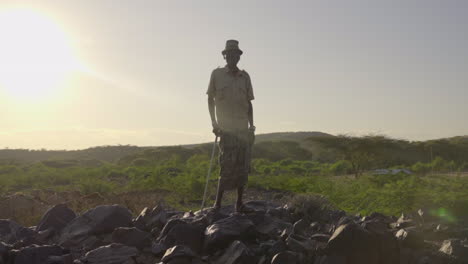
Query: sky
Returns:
{"type": "Point", "coordinates": [89, 73]}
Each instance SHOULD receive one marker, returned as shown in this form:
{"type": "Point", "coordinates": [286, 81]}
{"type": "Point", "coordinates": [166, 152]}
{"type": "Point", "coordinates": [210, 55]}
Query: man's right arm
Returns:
{"type": "Point", "coordinates": [211, 108]}
{"type": "Point", "coordinates": [211, 104]}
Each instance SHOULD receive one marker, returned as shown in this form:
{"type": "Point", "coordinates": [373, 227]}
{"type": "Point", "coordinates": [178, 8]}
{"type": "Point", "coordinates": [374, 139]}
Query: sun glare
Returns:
{"type": "Point", "coordinates": [35, 55]}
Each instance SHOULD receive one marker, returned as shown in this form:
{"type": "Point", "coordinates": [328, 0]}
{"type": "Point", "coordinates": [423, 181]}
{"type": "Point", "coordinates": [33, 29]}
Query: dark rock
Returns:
{"type": "Point", "coordinates": [286, 257]}
{"type": "Point", "coordinates": [331, 260]}
{"type": "Point", "coordinates": [111, 254]}
{"type": "Point", "coordinates": [43, 236]}
{"type": "Point", "coordinates": [320, 237]}
{"type": "Point", "coordinates": [91, 242]}
{"type": "Point", "coordinates": [455, 248]}
{"type": "Point", "coordinates": [146, 258]}
{"type": "Point", "coordinates": [132, 237]}
{"type": "Point", "coordinates": [179, 232]}
{"type": "Point", "coordinates": [355, 244]}
{"type": "Point", "coordinates": [65, 259]}
{"type": "Point", "coordinates": [279, 212]}
{"type": "Point", "coordinates": [410, 238]}
{"type": "Point", "coordinates": [380, 217]}
{"type": "Point", "coordinates": [345, 220]}
{"type": "Point", "coordinates": [99, 220]}
{"type": "Point", "coordinates": [300, 244]}
{"type": "Point", "coordinates": [403, 222]}
{"type": "Point", "coordinates": [12, 232]}
{"type": "Point", "coordinates": [385, 241]}
{"type": "Point", "coordinates": [38, 254]}
{"type": "Point", "coordinates": [273, 227]}
{"type": "Point", "coordinates": [237, 253]}
{"type": "Point", "coordinates": [332, 216]}
{"type": "Point", "coordinates": [4, 252]}
{"type": "Point", "coordinates": [301, 227]}
{"type": "Point", "coordinates": [151, 218]}
{"type": "Point", "coordinates": [256, 217]}
{"type": "Point", "coordinates": [158, 248]}
{"type": "Point", "coordinates": [260, 206]}
{"type": "Point", "coordinates": [223, 232]}
{"type": "Point", "coordinates": [179, 254]}
{"type": "Point", "coordinates": [56, 218]}
{"type": "Point", "coordinates": [271, 248]}
{"type": "Point", "coordinates": [210, 215]}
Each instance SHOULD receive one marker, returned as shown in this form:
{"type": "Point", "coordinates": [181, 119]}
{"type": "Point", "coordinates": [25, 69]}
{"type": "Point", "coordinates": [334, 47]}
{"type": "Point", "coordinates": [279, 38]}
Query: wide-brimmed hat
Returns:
{"type": "Point", "coordinates": [231, 44]}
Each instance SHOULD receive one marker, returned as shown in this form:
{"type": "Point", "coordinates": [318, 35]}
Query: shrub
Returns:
{"type": "Point", "coordinates": [308, 206]}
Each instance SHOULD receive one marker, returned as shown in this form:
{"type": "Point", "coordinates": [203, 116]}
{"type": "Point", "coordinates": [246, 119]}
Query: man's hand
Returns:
{"type": "Point", "coordinates": [251, 135]}
{"type": "Point", "coordinates": [216, 129]}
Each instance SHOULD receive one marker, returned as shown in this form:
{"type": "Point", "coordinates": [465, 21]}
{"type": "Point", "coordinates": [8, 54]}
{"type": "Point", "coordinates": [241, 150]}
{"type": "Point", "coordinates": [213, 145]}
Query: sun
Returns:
{"type": "Point", "coordinates": [35, 55]}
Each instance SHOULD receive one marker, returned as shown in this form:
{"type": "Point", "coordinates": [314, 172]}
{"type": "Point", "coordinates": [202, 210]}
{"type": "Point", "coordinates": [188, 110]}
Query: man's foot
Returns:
{"type": "Point", "coordinates": [238, 207]}
{"type": "Point", "coordinates": [216, 207]}
{"type": "Point", "coordinates": [242, 208]}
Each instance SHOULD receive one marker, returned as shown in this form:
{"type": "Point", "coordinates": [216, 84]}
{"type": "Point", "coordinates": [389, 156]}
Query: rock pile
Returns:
{"type": "Point", "coordinates": [267, 234]}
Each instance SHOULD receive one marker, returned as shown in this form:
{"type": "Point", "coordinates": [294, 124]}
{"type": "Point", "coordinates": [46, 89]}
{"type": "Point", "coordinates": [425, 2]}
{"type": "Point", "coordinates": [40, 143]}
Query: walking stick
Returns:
{"type": "Point", "coordinates": [209, 173]}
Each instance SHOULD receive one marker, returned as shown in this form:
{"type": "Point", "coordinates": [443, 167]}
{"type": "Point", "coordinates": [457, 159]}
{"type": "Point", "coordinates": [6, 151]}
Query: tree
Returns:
{"type": "Point", "coordinates": [360, 152]}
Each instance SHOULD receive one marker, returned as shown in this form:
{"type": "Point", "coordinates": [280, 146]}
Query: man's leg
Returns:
{"type": "Point", "coordinates": [219, 197]}
{"type": "Point", "coordinates": [239, 203]}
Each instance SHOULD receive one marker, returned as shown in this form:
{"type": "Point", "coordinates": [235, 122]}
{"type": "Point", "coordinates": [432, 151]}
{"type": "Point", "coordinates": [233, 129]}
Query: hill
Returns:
{"type": "Point", "coordinates": [115, 153]}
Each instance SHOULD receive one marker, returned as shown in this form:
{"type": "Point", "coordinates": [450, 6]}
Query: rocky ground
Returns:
{"type": "Point", "coordinates": [302, 231]}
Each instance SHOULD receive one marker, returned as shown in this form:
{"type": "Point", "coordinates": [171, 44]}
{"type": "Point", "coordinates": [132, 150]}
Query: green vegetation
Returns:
{"type": "Point", "coordinates": [337, 168]}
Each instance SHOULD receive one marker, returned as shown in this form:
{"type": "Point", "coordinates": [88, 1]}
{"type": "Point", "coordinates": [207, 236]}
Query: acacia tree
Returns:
{"type": "Point", "coordinates": [361, 152]}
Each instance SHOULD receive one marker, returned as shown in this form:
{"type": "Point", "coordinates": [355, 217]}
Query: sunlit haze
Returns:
{"type": "Point", "coordinates": [77, 74]}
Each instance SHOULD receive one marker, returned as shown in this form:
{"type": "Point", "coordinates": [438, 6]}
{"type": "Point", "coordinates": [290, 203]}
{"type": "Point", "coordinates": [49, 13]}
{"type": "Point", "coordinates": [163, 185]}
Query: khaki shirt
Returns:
{"type": "Point", "coordinates": [232, 92]}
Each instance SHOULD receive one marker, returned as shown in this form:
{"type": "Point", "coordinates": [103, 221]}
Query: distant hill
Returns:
{"type": "Point", "coordinates": [272, 146]}
{"type": "Point", "coordinates": [290, 136]}
{"type": "Point", "coordinates": [115, 153]}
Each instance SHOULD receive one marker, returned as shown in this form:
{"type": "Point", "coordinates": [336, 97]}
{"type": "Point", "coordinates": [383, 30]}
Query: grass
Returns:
{"type": "Point", "coordinates": [446, 196]}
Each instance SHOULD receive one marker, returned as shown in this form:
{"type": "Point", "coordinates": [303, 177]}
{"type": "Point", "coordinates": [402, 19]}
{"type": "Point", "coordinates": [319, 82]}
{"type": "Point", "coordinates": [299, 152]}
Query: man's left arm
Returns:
{"type": "Point", "coordinates": [250, 114]}
{"type": "Point", "coordinates": [250, 97]}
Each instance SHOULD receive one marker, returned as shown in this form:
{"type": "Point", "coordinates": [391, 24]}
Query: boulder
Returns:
{"type": "Point", "coordinates": [284, 257]}
{"type": "Point", "coordinates": [100, 220]}
{"type": "Point", "coordinates": [222, 233]}
{"type": "Point", "coordinates": [12, 232]}
{"type": "Point", "coordinates": [410, 238]}
{"type": "Point", "coordinates": [151, 218]}
{"type": "Point", "coordinates": [320, 237]}
{"type": "Point", "coordinates": [179, 232]}
{"type": "Point", "coordinates": [131, 236]}
{"type": "Point", "coordinates": [300, 244]}
{"type": "Point", "coordinates": [4, 252]}
{"type": "Point", "coordinates": [272, 227]}
{"type": "Point", "coordinates": [331, 260]}
{"type": "Point", "coordinates": [38, 254]}
{"type": "Point", "coordinates": [56, 218]}
{"type": "Point", "coordinates": [403, 222]}
{"type": "Point", "coordinates": [354, 244]}
{"type": "Point", "coordinates": [178, 254]}
{"type": "Point", "coordinates": [261, 206]}
{"type": "Point", "coordinates": [158, 248]}
{"type": "Point", "coordinates": [237, 253]}
{"type": "Point", "coordinates": [456, 249]}
{"type": "Point", "coordinates": [271, 248]}
{"type": "Point", "coordinates": [64, 259]}
{"type": "Point", "coordinates": [111, 254]}
{"type": "Point", "coordinates": [301, 227]}
{"type": "Point", "coordinates": [21, 206]}
{"type": "Point", "coordinates": [388, 247]}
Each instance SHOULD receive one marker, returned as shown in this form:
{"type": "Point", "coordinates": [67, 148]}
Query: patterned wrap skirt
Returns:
{"type": "Point", "coordinates": [235, 150]}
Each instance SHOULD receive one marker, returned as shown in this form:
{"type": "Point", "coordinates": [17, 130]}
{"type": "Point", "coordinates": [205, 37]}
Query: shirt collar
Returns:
{"type": "Point", "coordinates": [238, 72]}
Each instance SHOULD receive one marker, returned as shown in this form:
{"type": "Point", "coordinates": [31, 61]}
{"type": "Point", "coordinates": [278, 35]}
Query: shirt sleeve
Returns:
{"type": "Point", "coordinates": [250, 95]}
{"type": "Point", "coordinates": [211, 86]}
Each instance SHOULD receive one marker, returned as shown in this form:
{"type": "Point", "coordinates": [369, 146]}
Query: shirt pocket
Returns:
{"type": "Point", "coordinates": [221, 92]}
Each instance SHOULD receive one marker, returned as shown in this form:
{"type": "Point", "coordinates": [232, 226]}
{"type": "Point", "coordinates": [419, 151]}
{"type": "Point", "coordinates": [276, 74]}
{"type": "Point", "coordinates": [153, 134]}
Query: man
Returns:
{"type": "Point", "coordinates": [230, 94]}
